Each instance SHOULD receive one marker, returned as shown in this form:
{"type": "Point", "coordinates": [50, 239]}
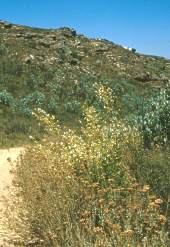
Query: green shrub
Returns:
{"type": "Point", "coordinates": [6, 99]}
{"type": "Point", "coordinates": [3, 50]}
{"type": "Point", "coordinates": [73, 106]}
{"type": "Point", "coordinates": [52, 106]}
{"type": "Point", "coordinates": [155, 118]}
{"type": "Point", "coordinates": [55, 89]}
{"type": "Point", "coordinates": [64, 52]}
{"type": "Point", "coordinates": [31, 101]}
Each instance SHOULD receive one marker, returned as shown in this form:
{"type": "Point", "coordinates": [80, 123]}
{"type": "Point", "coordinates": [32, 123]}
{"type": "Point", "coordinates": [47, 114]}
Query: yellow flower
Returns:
{"type": "Point", "coordinates": [116, 227]}
{"type": "Point", "coordinates": [129, 233]}
{"type": "Point", "coordinates": [145, 188]}
{"type": "Point", "coordinates": [101, 201]}
{"type": "Point", "coordinates": [158, 201]}
{"type": "Point", "coordinates": [162, 219]}
{"type": "Point", "coordinates": [98, 230]}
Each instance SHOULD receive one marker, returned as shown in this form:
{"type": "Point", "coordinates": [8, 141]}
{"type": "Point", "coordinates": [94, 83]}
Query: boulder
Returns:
{"type": "Point", "coordinates": [45, 43]}
{"type": "Point", "coordinates": [68, 32]}
{"type": "Point", "coordinates": [29, 59]}
{"type": "Point", "coordinates": [101, 49]}
{"type": "Point", "coordinates": [74, 61]}
{"type": "Point", "coordinates": [6, 24]}
{"type": "Point", "coordinates": [146, 77]}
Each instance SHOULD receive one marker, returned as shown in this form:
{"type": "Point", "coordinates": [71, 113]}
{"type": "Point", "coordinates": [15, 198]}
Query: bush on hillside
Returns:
{"type": "Point", "coordinates": [29, 102]}
{"type": "Point", "coordinates": [53, 106]}
{"type": "Point", "coordinates": [154, 118]}
{"type": "Point", "coordinates": [3, 50]}
{"type": "Point", "coordinates": [73, 106]}
{"type": "Point", "coordinates": [6, 99]}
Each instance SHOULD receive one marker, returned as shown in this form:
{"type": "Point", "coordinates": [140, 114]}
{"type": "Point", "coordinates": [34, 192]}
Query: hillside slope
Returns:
{"type": "Point", "coordinates": [55, 69]}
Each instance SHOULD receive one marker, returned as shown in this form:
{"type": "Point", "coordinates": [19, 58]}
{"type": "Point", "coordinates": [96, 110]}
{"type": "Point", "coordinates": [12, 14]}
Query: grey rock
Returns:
{"type": "Point", "coordinates": [6, 24]}
{"type": "Point", "coordinates": [102, 49]}
{"type": "Point", "coordinates": [45, 43]}
{"type": "Point", "coordinates": [74, 61]}
{"type": "Point", "coordinates": [30, 35]}
{"type": "Point", "coordinates": [29, 59]}
{"type": "Point", "coordinates": [68, 32]}
{"type": "Point", "coordinates": [146, 77]}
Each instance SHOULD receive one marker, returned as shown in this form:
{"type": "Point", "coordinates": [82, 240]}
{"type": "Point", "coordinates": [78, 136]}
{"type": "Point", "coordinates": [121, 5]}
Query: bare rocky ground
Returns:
{"type": "Point", "coordinates": [6, 155]}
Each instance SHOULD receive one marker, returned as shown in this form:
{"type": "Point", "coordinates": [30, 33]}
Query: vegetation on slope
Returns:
{"type": "Point", "coordinates": [56, 70]}
{"type": "Point", "coordinates": [89, 189]}
{"type": "Point", "coordinates": [99, 174]}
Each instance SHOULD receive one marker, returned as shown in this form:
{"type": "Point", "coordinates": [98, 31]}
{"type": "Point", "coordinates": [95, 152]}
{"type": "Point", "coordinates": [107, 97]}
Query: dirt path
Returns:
{"type": "Point", "coordinates": [5, 184]}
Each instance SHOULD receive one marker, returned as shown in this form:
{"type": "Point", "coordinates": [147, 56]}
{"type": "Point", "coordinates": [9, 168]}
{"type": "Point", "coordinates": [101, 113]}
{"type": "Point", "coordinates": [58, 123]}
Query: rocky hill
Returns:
{"type": "Point", "coordinates": [56, 68]}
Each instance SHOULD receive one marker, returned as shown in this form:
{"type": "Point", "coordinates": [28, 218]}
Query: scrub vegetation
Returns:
{"type": "Point", "coordinates": [95, 119]}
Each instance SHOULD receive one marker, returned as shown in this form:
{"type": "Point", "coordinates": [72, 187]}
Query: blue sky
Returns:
{"type": "Point", "coordinates": [143, 24]}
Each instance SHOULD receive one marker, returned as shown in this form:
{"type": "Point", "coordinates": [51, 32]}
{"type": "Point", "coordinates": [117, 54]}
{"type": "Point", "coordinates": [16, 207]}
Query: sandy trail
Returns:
{"type": "Point", "coordinates": [5, 184]}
